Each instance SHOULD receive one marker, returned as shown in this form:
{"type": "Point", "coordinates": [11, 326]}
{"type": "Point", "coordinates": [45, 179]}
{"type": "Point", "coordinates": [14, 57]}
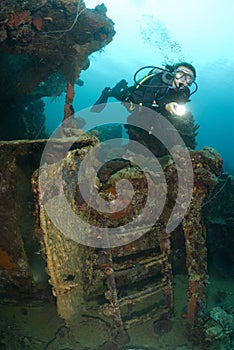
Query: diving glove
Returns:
{"type": "Point", "coordinates": [118, 89]}
{"type": "Point", "coordinates": [116, 92]}
{"type": "Point", "coordinates": [101, 102]}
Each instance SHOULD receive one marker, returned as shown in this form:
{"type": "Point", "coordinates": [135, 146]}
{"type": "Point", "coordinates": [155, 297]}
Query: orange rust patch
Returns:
{"type": "Point", "coordinates": [6, 262]}
{"type": "Point", "coordinates": [127, 247]}
{"type": "Point", "coordinates": [37, 22]}
{"type": "Point", "coordinates": [111, 191]}
{"type": "Point", "coordinates": [18, 18]}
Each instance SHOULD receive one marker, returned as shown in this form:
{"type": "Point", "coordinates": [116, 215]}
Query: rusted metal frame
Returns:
{"type": "Point", "coordinates": [196, 261]}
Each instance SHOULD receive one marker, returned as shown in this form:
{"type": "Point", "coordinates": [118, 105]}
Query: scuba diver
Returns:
{"type": "Point", "coordinates": [162, 90]}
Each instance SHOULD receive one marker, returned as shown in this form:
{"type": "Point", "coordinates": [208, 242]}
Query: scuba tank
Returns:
{"type": "Point", "coordinates": [167, 76]}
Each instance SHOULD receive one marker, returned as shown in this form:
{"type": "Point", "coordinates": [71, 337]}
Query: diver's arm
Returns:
{"type": "Point", "coordinates": [120, 90]}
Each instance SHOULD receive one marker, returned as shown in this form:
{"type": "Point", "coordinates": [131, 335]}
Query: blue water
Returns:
{"type": "Point", "coordinates": [148, 32]}
{"type": "Point", "coordinates": [151, 37]}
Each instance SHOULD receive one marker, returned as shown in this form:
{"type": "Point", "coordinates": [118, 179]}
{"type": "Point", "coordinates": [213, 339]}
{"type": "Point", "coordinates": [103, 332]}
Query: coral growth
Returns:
{"type": "Point", "coordinates": [55, 38]}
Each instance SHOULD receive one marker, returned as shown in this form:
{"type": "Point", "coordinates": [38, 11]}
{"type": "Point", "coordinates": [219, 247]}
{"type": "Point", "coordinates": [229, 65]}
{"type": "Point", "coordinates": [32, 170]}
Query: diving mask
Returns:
{"type": "Point", "coordinates": [184, 76]}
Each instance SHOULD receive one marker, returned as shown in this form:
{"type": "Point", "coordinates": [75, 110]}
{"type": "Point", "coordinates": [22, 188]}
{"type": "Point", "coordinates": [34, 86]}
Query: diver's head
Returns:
{"type": "Point", "coordinates": [184, 74]}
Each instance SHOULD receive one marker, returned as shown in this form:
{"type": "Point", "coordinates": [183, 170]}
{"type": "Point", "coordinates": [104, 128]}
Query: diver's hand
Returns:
{"type": "Point", "coordinates": [171, 107]}
{"type": "Point", "coordinates": [176, 109]}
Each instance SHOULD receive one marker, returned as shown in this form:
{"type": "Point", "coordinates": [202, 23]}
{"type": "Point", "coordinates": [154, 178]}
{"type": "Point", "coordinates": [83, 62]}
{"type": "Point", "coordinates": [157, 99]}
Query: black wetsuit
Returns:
{"type": "Point", "coordinates": [155, 92]}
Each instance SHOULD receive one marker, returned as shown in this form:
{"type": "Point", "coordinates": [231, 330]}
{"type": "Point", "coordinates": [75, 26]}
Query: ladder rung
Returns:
{"type": "Point", "coordinates": [133, 298]}
{"type": "Point", "coordinates": [147, 262]}
{"type": "Point", "coordinates": [154, 313]}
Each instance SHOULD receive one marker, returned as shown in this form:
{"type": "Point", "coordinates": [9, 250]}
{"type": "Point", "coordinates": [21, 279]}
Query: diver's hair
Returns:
{"type": "Point", "coordinates": [179, 64]}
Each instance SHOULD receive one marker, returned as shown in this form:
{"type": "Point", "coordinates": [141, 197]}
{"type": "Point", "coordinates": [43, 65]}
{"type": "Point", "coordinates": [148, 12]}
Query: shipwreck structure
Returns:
{"type": "Point", "coordinates": [109, 288]}
{"type": "Point", "coordinates": [116, 287]}
{"type": "Point", "coordinates": [44, 46]}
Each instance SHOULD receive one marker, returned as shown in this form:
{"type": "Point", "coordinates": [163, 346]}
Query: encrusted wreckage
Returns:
{"type": "Point", "coordinates": [116, 287]}
{"type": "Point", "coordinates": [44, 46]}
{"type": "Point", "coordinates": [112, 288]}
